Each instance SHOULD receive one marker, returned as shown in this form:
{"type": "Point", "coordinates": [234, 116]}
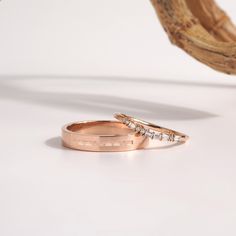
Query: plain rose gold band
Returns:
{"type": "Point", "coordinates": [102, 136]}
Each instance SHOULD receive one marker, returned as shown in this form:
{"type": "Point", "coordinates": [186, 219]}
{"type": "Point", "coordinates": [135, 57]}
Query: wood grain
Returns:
{"type": "Point", "coordinates": [201, 29]}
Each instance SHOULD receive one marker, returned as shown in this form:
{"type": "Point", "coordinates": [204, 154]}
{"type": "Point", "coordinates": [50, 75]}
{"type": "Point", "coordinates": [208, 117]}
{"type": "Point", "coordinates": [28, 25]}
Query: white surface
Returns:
{"type": "Point", "coordinates": [103, 57]}
{"type": "Point", "coordinates": [49, 190]}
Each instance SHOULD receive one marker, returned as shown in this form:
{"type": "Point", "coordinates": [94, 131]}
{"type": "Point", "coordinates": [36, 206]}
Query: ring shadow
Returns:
{"type": "Point", "coordinates": [55, 143]}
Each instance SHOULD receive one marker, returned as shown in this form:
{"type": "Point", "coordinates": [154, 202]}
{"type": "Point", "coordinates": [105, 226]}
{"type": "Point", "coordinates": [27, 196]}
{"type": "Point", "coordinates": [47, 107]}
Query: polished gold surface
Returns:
{"type": "Point", "coordinates": [101, 136]}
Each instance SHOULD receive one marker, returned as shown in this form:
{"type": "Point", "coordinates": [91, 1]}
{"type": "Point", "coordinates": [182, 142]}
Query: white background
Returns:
{"type": "Point", "coordinates": [62, 61]}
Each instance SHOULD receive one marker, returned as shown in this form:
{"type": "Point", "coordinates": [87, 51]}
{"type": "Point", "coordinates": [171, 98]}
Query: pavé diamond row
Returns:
{"type": "Point", "coordinates": [150, 133]}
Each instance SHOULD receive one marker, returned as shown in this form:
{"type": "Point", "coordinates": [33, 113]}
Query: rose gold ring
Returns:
{"type": "Point", "coordinates": [102, 136]}
{"type": "Point", "coordinates": [151, 130]}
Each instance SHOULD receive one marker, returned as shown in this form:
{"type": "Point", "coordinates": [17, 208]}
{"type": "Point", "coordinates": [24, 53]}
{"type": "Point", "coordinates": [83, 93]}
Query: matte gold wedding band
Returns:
{"type": "Point", "coordinates": [102, 136]}
{"type": "Point", "coordinates": [150, 130]}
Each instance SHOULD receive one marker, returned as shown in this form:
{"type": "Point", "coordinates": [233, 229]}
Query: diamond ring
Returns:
{"type": "Point", "coordinates": [151, 130]}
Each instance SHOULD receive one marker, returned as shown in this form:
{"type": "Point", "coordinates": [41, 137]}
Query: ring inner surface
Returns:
{"type": "Point", "coordinates": [103, 128]}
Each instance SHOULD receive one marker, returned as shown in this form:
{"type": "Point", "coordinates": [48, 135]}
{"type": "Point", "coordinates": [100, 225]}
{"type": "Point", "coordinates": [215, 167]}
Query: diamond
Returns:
{"type": "Point", "coordinates": [177, 139]}
{"type": "Point", "coordinates": [157, 135]}
{"type": "Point", "coordinates": [127, 122]}
{"type": "Point", "coordinates": [143, 131]}
{"type": "Point", "coordinates": [171, 138]}
{"type": "Point", "coordinates": [124, 120]}
{"type": "Point", "coordinates": [131, 125]}
{"type": "Point", "coordinates": [165, 137]}
{"type": "Point", "coordinates": [138, 129]}
{"type": "Point", "coordinates": [153, 135]}
{"type": "Point", "coordinates": [150, 134]}
{"type": "Point", "coordinates": [160, 137]}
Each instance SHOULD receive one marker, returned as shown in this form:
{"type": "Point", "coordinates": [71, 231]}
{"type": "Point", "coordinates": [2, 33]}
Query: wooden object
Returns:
{"type": "Point", "coordinates": [201, 29]}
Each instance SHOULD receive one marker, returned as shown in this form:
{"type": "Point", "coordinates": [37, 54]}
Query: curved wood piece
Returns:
{"type": "Point", "coordinates": [202, 29]}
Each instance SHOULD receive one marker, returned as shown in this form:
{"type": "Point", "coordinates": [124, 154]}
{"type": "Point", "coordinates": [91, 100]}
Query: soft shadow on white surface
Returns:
{"type": "Point", "coordinates": [56, 143]}
{"type": "Point", "coordinates": [101, 104]}
{"type": "Point", "coordinates": [124, 79]}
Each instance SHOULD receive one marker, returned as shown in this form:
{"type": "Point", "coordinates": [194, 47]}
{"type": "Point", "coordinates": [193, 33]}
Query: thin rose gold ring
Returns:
{"type": "Point", "coordinates": [150, 130]}
{"type": "Point", "coordinates": [102, 136]}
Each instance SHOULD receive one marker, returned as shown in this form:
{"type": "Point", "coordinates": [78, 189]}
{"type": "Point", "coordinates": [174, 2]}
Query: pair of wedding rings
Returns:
{"type": "Point", "coordinates": [125, 134]}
